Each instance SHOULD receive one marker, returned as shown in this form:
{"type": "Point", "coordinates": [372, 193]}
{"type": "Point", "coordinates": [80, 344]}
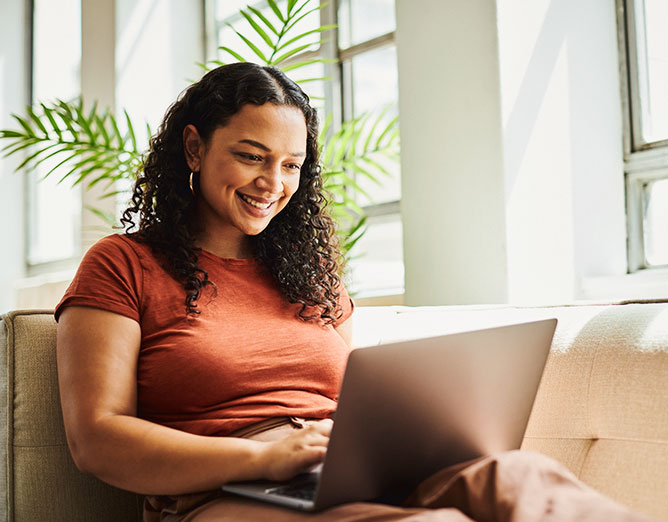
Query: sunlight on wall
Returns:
{"type": "Point", "coordinates": [539, 204]}
{"type": "Point", "coordinates": [563, 170]}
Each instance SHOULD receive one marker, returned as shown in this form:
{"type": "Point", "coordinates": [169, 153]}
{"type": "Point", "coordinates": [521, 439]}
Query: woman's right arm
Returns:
{"type": "Point", "coordinates": [97, 367]}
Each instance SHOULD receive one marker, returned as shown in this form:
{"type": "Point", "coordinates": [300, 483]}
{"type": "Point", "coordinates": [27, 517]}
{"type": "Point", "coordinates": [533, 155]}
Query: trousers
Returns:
{"type": "Point", "coordinates": [513, 486]}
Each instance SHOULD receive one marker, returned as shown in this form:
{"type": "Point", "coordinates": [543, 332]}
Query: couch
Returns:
{"type": "Point", "coordinates": [601, 409]}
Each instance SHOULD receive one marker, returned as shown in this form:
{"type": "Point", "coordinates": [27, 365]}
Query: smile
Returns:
{"type": "Point", "coordinates": [253, 203]}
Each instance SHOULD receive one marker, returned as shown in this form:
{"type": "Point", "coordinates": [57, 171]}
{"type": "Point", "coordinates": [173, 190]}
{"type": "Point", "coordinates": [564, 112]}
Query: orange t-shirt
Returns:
{"type": "Point", "coordinates": [245, 358]}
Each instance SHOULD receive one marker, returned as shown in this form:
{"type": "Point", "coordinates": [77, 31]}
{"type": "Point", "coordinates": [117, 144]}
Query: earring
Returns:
{"type": "Point", "coordinates": [190, 182]}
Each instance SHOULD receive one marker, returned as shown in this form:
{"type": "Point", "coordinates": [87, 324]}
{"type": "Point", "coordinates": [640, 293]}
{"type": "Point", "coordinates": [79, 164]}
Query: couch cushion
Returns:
{"type": "Point", "coordinates": [602, 406]}
{"type": "Point", "coordinates": [34, 447]}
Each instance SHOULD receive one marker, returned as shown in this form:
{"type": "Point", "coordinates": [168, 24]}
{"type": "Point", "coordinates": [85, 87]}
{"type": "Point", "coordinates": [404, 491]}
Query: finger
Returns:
{"type": "Point", "coordinates": [324, 426]}
{"type": "Point", "coordinates": [309, 458]}
{"type": "Point", "coordinates": [317, 440]}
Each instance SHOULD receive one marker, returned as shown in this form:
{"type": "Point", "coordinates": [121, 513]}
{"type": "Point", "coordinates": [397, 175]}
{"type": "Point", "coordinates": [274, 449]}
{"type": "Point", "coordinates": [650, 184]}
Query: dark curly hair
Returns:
{"type": "Point", "coordinates": [298, 246]}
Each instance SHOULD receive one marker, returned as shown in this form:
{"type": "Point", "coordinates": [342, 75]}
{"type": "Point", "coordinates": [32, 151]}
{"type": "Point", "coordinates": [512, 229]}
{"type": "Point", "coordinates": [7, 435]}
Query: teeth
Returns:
{"type": "Point", "coordinates": [254, 203]}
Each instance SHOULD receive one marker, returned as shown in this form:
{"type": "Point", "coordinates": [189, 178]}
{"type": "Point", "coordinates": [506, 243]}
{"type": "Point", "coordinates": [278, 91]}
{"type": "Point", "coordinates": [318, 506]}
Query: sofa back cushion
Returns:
{"type": "Point", "coordinates": [40, 479]}
{"type": "Point", "coordinates": [602, 406]}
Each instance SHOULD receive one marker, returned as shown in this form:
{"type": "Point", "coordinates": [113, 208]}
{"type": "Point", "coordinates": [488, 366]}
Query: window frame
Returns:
{"type": "Point", "coordinates": [66, 264]}
{"type": "Point", "coordinates": [644, 161]}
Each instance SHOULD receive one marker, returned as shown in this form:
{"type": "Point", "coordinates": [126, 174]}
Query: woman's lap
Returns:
{"type": "Point", "coordinates": [518, 486]}
{"type": "Point", "coordinates": [234, 509]}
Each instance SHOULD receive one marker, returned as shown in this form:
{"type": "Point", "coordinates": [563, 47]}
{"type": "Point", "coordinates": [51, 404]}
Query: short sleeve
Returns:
{"type": "Point", "coordinates": [109, 278]}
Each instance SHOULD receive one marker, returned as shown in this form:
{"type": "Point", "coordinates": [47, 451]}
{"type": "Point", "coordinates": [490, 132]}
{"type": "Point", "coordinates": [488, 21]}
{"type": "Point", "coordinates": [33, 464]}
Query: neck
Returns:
{"type": "Point", "coordinates": [235, 248]}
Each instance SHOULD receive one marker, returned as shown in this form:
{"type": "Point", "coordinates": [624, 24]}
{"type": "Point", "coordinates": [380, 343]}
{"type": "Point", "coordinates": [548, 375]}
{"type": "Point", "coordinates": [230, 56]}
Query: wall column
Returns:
{"type": "Point", "coordinates": [453, 202]}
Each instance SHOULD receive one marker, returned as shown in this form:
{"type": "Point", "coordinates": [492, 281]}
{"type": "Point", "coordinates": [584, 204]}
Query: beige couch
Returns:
{"type": "Point", "coordinates": [602, 408]}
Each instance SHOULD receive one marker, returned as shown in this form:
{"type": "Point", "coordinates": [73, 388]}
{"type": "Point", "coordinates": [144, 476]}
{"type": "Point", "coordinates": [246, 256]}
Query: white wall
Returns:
{"type": "Point", "coordinates": [452, 207]}
{"type": "Point", "coordinates": [511, 149]}
{"type": "Point", "coordinates": [13, 98]}
{"type": "Point", "coordinates": [563, 152]}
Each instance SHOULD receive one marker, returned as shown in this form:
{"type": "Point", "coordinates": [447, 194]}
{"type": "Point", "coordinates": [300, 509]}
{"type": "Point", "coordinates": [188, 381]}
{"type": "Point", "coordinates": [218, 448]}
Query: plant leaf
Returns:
{"type": "Point", "coordinates": [252, 46]}
{"type": "Point", "coordinates": [276, 10]}
{"type": "Point", "coordinates": [23, 123]}
{"type": "Point", "coordinates": [257, 28]}
{"type": "Point", "coordinates": [233, 53]}
{"type": "Point", "coordinates": [297, 65]}
{"type": "Point", "coordinates": [295, 22]}
{"type": "Point", "coordinates": [131, 130]}
{"type": "Point", "coordinates": [292, 52]}
{"type": "Point", "coordinates": [37, 121]}
{"type": "Point", "coordinates": [107, 217]}
{"type": "Point", "coordinates": [380, 168]}
{"type": "Point", "coordinates": [259, 14]}
{"type": "Point", "coordinates": [15, 147]}
{"type": "Point", "coordinates": [304, 35]}
{"type": "Point", "coordinates": [99, 121]}
{"type": "Point", "coordinates": [83, 123]}
{"type": "Point", "coordinates": [52, 120]}
{"type": "Point", "coordinates": [35, 154]}
{"type": "Point", "coordinates": [387, 129]}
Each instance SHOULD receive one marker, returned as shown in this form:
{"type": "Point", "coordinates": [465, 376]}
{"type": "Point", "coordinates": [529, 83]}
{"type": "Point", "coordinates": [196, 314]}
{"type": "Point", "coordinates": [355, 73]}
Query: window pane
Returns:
{"type": "Point", "coordinates": [653, 68]}
{"type": "Point", "coordinates": [54, 211]}
{"type": "Point", "coordinates": [374, 87]}
{"type": "Point", "coordinates": [656, 222]}
{"type": "Point", "coordinates": [361, 20]}
{"type": "Point", "coordinates": [376, 263]}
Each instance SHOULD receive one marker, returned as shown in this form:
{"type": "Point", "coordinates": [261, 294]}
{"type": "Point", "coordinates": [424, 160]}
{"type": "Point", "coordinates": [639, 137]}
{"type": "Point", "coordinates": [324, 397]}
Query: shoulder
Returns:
{"type": "Point", "coordinates": [110, 276]}
{"type": "Point", "coordinates": [118, 244]}
{"type": "Point", "coordinates": [119, 250]}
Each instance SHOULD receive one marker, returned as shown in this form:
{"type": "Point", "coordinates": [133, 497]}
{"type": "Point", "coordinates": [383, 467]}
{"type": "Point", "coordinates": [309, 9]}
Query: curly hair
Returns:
{"type": "Point", "coordinates": [298, 246]}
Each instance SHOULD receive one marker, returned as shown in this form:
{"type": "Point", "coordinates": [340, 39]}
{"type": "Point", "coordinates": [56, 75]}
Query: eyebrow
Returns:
{"type": "Point", "coordinates": [267, 149]}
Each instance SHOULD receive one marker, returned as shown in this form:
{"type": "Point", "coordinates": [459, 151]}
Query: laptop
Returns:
{"type": "Point", "coordinates": [409, 409]}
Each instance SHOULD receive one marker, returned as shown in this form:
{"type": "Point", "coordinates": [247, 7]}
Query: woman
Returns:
{"type": "Point", "coordinates": [207, 343]}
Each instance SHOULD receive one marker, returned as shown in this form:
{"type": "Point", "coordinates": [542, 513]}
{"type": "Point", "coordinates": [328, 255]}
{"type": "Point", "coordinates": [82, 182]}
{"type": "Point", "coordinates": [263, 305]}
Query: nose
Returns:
{"type": "Point", "coordinates": [271, 179]}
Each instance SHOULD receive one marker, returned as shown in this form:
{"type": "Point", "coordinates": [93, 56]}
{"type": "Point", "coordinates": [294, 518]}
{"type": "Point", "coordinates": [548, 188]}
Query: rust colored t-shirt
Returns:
{"type": "Point", "coordinates": [245, 358]}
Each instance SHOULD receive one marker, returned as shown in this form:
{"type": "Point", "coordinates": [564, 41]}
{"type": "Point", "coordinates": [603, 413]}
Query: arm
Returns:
{"type": "Point", "coordinates": [97, 363]}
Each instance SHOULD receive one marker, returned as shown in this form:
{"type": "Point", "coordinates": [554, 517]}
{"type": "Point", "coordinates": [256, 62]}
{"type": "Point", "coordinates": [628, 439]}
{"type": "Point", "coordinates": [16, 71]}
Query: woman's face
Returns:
{"type": "Point", "coordinates": [249, 170]}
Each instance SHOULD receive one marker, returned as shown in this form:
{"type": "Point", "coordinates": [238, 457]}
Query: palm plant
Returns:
{"type": "Point", "coordinates": [87, 146]}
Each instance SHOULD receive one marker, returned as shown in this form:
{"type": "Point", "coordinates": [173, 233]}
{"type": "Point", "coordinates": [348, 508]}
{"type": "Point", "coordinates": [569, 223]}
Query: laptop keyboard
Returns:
{"type": "Point", "coordinates": [303, 489]}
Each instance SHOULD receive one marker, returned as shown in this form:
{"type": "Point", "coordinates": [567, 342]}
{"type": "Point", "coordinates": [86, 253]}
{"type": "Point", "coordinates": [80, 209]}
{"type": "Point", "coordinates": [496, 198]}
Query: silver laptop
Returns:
{"type": "Point", "coordinates": [409, 409]}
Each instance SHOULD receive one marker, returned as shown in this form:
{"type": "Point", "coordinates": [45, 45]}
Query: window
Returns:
{"type": "Point", "coordinates": [643, 29]}
{"type": "Point", "coordinates": [363, 75]}
{"type": "Point", "coordinates": [56, 60]}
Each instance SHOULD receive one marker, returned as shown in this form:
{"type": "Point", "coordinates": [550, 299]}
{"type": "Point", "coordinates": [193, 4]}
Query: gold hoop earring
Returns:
{"type": "Point", "coordinates": [190, 182]}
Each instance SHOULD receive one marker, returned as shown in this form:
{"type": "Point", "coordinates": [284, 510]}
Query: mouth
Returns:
{"type": "Point", "coordinates": [255, 203]}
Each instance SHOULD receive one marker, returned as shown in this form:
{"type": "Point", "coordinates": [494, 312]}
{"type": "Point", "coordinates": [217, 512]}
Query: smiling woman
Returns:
{"type": "Point", "coordinates": [220, 306]}
{"type": "Point", "coordinates": [208, 346]}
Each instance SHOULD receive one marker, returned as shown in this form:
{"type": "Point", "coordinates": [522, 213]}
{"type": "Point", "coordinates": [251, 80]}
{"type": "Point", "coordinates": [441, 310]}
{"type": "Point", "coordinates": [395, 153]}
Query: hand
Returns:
{"type": "Point", "coordinates": [298, 452]}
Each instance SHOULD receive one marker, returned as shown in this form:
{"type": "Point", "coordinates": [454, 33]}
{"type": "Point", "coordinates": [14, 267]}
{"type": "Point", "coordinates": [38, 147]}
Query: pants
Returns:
{"type": "Point", "coordinates": [515, 486]}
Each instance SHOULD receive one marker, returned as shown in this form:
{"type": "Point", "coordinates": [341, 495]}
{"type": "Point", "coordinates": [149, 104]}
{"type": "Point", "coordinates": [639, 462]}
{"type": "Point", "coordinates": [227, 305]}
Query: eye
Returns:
{"type": "Point", "coordinates": [249, 157]}
{"type": "Point", "coordinates": [294, 166]}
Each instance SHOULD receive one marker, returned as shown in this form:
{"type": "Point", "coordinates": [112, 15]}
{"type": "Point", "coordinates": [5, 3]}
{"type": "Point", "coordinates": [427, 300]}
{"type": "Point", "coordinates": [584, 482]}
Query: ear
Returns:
{"type": "Point", "coordinates": [193, 147]}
